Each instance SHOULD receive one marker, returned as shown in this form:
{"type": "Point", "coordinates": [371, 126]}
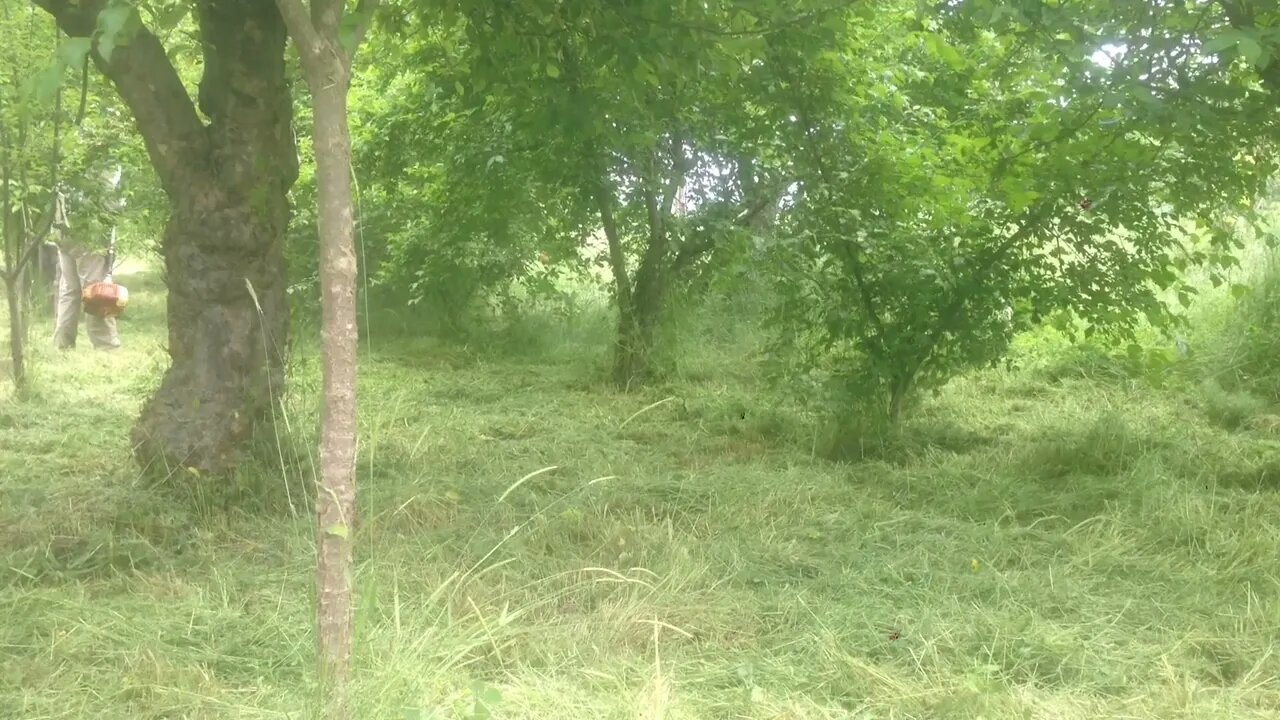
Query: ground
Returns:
{"type": "Point", "coordinates": [535, 545]}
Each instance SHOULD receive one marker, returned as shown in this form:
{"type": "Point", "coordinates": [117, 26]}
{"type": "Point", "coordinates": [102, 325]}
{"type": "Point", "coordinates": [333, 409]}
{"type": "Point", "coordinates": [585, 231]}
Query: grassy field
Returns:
{"type": "Point", "coordinates": [1060, 542]}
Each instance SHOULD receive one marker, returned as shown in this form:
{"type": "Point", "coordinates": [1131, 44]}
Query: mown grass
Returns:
{"type": "Point", "coordinates": [1039, 545]}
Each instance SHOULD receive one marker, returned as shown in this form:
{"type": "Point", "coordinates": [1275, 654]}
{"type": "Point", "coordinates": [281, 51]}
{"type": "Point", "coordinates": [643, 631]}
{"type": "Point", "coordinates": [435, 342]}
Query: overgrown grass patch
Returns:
{"type": "Point", "coordinates": [535, 541]}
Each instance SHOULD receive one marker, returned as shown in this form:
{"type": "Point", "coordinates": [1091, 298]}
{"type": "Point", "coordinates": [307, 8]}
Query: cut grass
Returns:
{"type": "Point", "coordinates": [1036, 548]}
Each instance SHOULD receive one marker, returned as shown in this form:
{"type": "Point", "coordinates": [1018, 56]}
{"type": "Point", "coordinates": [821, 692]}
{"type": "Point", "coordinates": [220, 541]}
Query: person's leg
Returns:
{"type": "Point", "coordinates": [66, 323]}
{"type": "Point", "coordinates": [102, 331]}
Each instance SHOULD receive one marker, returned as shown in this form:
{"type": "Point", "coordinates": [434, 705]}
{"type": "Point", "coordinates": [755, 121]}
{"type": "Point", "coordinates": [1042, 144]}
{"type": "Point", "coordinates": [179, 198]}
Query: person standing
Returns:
{"type": "Point", "coordinates": [84, 258]}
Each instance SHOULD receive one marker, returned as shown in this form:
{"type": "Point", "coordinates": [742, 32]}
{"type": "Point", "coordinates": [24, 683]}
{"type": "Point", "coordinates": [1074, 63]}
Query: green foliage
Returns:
{"type": "Point", "coordinates": [1245, 356]}
{"type": "Point", "coordinates": [117, 23]}
{"type": "Point", "coordinates": [591, 133]}
{"type": "Point", "coordinates": [1235, 349]}
{"type": "Point", "coordinates": [953, 179]}
{"type": "Point", "coordinates": [692, 553]}
{"type": "Point", "coordinates": [958, 197]}
{"type": "Point", "coordinates": [93, 141]}
{"type": "Point", "coordinates": [447, 220]}
{"type": "Point", "coordinates": [26, 121]}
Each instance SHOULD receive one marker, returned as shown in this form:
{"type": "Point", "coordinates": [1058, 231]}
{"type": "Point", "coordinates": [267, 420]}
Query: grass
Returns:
{"type": "Point", "coordinates": [1042, 545]}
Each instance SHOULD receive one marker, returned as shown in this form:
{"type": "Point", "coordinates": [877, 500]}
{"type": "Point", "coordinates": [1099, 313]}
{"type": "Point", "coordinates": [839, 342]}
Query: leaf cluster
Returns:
{"type": "Point", "coordinates": [963, 179]}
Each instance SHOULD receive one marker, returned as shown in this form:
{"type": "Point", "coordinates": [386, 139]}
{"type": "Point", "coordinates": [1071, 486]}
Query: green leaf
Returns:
{"type": "Point", "coordinates": [940, 47]}
{"type": "Point", "coordinates": [107, 46]}
{"type": "Point", "coordinates": [553, 72]}
{"type": "Point", "coordinates": [1250, 50]}
{"type": "Point", "coordinates": [117, 23]}
{"type": "Point", "coordinates": [485, 699]}
{"type": "Point", "coordinates": [1247, 44]}
{"type": "Point", "coordinates": [44, 84]}
{"type": "Point", "coordinates": [1238, 291]}
{"type": "Point", "coordinates": [1221, 42]}
{"type": "Point", "coordinates": [338, 530]}
{"type": "Point", "coordinates": [110, 28]}
{"type": "Point", "coordinates": [72, 52]}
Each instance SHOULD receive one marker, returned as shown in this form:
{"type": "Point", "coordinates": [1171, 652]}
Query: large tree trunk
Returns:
{"type": "Point", "coordinates": [228, 181]}
{"type": "Point", "coordinates": [228, 325]}
{"type": "Point", "coordinates": [223, 250]}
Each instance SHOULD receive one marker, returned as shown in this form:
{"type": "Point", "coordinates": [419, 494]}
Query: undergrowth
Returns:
{"type": "Point", "coordinates": [1037, 543]}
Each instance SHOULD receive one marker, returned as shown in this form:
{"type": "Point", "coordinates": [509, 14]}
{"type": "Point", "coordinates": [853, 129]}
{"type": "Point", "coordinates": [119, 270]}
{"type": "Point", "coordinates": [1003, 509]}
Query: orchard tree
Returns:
{"type": "Point", "coordinates": [960, 182]}
{"type": "Point", "coordinates": [225, 157]}
{"type": "Point", "coordinates": [636, 108]}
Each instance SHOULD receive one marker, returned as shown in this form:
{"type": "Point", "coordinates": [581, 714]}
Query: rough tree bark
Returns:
{"type": "Point", "coordinates": [228, 180]}
{"type": "Point", "coordinates": [326, 62]}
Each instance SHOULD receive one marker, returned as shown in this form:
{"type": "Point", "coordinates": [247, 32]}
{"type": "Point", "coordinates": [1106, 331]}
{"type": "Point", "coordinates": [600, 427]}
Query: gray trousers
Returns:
{"type": "Point", "coordinates": [77, 268]}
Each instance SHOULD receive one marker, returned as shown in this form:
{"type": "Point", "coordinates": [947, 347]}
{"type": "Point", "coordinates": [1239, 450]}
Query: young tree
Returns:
{"type": "Point", "coordinates": [20, 136]}
{"type": "Point", "coordinates": [327, 38]}
{"type": "Point", "coordinates": [226, 161]}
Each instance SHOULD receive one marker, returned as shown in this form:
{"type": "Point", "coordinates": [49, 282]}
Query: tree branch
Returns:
{"type": "Point", "coordinates": [326, 17]}
{"type": "Point", "coordinates": [654, 261]}
{"type": "Point", "coordinates": [617, 256]}
{"type": "Point", "coordinates": [33, 244]}
{"type": "Point", "coordinates": [319, 31]}
{"type": "Point", "coordinates": [55, 161]}
{"type": "Point", "coordinates": [364, 11]}
{"type": "Point", "coordinates": [690, 252]}
{"type": "Point", "coordinates": [679, 168]}
{"type": "Point", "coordinates": [764, 202]}
{"type": "Point", "coordinates": [302, 28]}
{"type": "Point", "coordinates": [149, 85]}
